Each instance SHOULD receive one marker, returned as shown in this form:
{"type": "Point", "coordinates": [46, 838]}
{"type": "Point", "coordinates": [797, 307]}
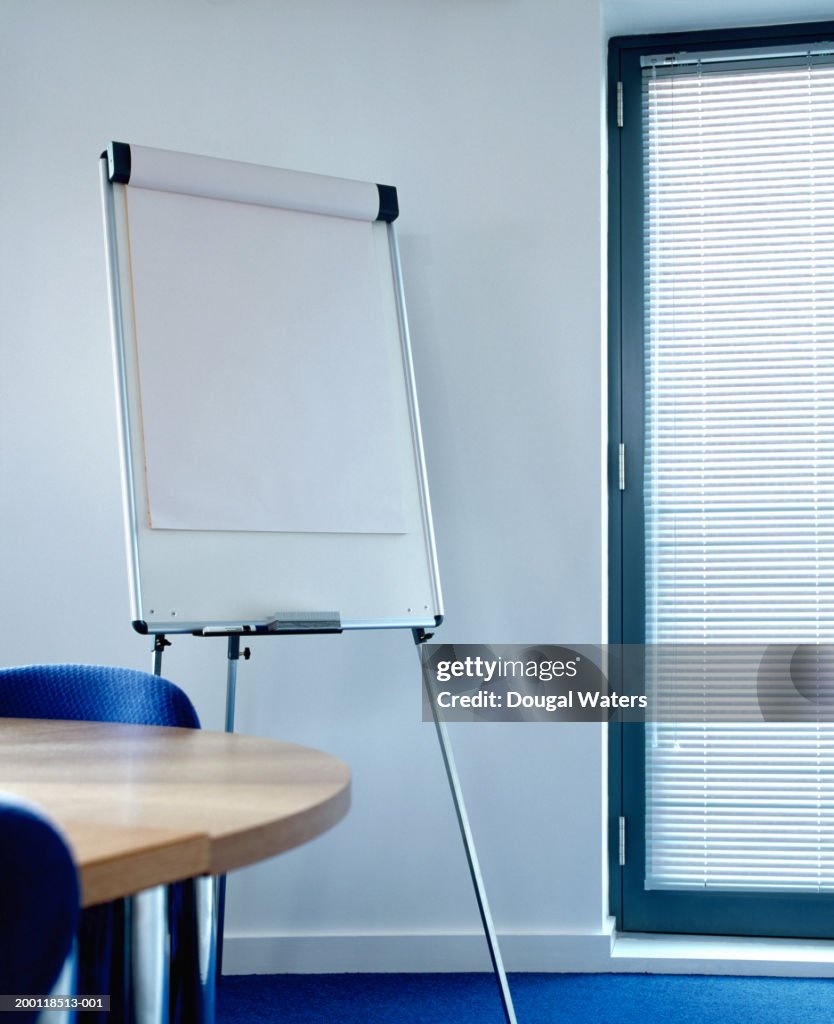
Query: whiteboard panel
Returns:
{"type": "Point", "coordinates": [369, 556]}
{"type": "Point", "coordinates": [264, 374]}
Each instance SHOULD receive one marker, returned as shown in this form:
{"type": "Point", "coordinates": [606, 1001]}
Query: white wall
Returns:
{"type": "Point", "coordinates": [486, 116]}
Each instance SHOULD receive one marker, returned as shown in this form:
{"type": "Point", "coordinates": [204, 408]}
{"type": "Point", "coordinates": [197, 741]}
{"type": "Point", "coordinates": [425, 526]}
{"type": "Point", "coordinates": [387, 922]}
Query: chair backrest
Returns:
{"type": "Point", "coordinates": [39, 900]}
{"type": "Point", "coordinates": [94, 693]}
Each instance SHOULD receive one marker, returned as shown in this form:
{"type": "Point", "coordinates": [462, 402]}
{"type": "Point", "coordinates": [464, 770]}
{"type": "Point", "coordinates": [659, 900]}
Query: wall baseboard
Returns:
{"type": "Point", "coordinates": [547, 952]}
{"type": "Point", "coordinates": [430, 953]}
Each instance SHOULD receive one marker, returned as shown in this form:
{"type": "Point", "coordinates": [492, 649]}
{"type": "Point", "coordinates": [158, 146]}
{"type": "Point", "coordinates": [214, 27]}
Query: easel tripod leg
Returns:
{"type": "Point", "coordinates": [210, 893]}
{"type": "Point", "coordinates": [472, 858]}
{"type": "Point", "coordinates": [232, 658]}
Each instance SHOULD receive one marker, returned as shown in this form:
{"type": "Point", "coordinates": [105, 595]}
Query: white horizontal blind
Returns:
{"type": "Point", "coordinates": [739, 450]}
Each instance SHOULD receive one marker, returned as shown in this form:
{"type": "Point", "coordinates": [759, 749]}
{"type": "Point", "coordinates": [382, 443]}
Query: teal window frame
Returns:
{"type": "Point", "coordinates": [634, 908]}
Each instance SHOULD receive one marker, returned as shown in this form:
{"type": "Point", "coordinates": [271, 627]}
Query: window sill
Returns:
{"type": "Point", "coordinates": [715, 954]}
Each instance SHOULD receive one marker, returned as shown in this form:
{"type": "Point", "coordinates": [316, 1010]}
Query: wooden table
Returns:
{"type": "Point", "coordinates": [143, 806]}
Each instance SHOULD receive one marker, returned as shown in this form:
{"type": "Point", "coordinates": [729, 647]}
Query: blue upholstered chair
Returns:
{"type": "Point", "coordinates": [38, 902]}
{"type": "Point", "coordinates": [96, 693]}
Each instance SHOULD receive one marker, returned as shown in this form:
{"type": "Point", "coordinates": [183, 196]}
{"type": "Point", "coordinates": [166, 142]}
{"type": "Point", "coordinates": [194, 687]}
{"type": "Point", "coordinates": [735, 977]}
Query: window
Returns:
{"type": "Point", "coordinates": [723, 316]}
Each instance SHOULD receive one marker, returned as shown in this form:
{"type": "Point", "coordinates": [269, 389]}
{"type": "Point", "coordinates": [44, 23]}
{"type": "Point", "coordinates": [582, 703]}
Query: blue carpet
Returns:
{"type": "Point", "coordinates": [539, 999]}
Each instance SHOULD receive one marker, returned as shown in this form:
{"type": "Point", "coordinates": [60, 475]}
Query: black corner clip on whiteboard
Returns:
{"type": "Point", "coordinates": [118, 162]}
{"type": "Point", "coordinates": [389, 207]}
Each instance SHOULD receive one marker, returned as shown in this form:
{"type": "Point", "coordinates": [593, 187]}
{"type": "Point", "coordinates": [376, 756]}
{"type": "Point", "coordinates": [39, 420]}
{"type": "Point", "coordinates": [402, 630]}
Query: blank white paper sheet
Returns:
{"type": "Point", "coordinates": [258, 329]}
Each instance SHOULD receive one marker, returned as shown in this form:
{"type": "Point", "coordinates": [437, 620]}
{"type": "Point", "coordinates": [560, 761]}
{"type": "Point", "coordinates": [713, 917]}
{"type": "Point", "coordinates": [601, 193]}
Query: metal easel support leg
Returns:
{"type": "Point", "coordinates": [147, 932]}
{"type": "Point", "coordinates": [210, 893]}
{"type": "Point", "coordinates": [232, 657]}
{"type": "Point", "coordinates": [207, 889]}
{"type": "Point", "coordinates": [159, 645]}
{"type": "Point", "coordinates": [471, 855]}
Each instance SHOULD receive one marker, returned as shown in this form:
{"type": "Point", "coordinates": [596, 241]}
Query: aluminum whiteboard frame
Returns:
{"type": "Point", "coordinates": [140, 616]}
